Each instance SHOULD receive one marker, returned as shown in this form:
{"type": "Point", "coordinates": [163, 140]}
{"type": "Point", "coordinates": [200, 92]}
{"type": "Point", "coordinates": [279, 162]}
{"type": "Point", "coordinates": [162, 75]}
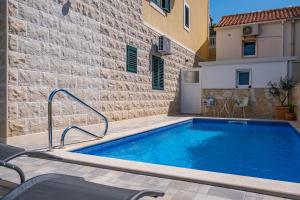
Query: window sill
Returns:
{"type": "Point", "coordinates": [254, 56]}
{"type": "Point", "coordinates": [157, 8]}
{"type": "Point", "coordinates": [158, 89]}
{"type": "Point", "coordinates": [187, 29]}
{"type": "Point", "coordinates": [243, 87]}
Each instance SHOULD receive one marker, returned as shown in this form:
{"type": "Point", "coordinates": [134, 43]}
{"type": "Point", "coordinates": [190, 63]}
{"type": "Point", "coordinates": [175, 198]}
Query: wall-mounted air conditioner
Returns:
{"type": "Point", "coordinates": [251, 30]}
{"type": "Point", "coordinates": [164, 45]}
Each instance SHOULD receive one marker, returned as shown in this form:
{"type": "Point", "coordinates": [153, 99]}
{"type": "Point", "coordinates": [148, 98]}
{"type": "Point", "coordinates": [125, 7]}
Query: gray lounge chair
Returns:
{"type": "Point", "coordinates": [58, 186]}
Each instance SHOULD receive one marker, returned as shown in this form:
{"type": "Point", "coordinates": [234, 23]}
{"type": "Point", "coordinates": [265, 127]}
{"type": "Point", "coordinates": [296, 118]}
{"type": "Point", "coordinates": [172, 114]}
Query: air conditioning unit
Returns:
{"type": "Point", "coordinates": [164, 45]}
{"type": "Point", "coordinates": [250, 30]}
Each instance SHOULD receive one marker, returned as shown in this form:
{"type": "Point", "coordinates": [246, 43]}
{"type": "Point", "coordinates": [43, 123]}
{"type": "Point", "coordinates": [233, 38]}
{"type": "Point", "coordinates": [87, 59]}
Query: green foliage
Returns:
{"type": "Point", "coordinates": [281, 90]}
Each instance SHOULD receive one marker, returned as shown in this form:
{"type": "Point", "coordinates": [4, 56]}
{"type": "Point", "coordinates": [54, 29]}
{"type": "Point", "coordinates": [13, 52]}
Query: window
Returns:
{"type": "Point", "coordinates": [186, 16]}
{"type": "Point", "coordinates": [157, 2]}
{"type": "Point", "coordinates": [157, 73]}
{"type": "Point", "coordinates": [249, 49]}
{"type": "Point", "coordinates": [243, 78]}
{"type": "Point", "coordinates": [191, 77]}
{"type": "Point", "coordinates": [131, 59]}
{"type": "Point", "coordinates": [165, 5]}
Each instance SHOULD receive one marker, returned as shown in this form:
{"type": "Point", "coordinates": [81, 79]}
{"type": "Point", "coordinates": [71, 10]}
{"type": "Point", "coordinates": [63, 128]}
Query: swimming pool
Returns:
{"type": "Point", "coordinates": [269, 150]}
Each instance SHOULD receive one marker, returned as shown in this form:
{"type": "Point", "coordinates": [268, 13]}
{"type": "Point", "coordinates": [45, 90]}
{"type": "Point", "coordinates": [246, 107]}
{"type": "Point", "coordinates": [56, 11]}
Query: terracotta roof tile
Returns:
{"type": "Point", "coordinates": [260, 16]}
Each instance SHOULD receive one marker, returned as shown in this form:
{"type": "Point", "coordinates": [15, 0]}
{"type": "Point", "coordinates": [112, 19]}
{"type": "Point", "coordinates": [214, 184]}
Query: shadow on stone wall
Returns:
{"type": "Point", "coordinates": [201, 54]}
{"type": "Point", "coordinates": [3, 70]}
{"type": "Point", "coordinates": [174, 106]}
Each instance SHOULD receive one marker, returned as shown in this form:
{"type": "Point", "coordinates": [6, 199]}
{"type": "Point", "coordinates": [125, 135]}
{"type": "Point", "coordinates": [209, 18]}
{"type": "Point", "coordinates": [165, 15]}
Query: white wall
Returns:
{"type": "Point", "coordinates": [269, 41]}
{"type": "Point", "coordinates": [216, 75]}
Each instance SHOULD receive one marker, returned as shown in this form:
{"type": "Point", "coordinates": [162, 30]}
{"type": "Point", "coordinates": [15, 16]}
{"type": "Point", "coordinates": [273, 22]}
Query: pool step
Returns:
{"type": "Point", "coordinates": [238, 122]}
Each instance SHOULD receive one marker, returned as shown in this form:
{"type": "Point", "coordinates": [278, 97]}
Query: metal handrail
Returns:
{"type": "Point", "coordinates": [50, 120]}
{"type": "Point", "coordinates": [62, 139]}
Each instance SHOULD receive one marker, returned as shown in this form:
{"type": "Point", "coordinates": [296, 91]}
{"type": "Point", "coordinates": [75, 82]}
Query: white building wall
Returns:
{"type": "Point", "coordinates": [222, 75]}
{"type": "Point", "coordinates": [274, 40]}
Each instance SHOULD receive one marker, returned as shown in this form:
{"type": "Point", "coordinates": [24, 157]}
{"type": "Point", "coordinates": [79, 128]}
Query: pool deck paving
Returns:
{"type": "Point", "coordinates": [174, 189]}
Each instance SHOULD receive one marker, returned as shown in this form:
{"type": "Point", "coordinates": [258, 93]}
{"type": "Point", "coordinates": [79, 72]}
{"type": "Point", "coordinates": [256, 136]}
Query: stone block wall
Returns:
{"type": "Point", "coordinates": [295, 99]}
{"type": "Point", "coordinates": [261, 104]}
{"type": "Point", "coordinates": [81, 46]}
{"type": "Point", "coordinates": [3, 64]}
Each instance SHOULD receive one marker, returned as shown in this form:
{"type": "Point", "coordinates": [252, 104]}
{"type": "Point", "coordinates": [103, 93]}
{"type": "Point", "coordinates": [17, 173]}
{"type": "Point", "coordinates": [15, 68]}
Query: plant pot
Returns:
{"type": "Point", "coordinates": [281, 111]}
{"type": "Point", "coordinates": [290, 116]}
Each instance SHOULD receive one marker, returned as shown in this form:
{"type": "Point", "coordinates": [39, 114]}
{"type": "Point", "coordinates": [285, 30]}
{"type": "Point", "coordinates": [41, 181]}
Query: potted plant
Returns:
{"type": "Point", "coordinates": [281, 91]}
{"type": "Point", "coordinates": [291, 115]}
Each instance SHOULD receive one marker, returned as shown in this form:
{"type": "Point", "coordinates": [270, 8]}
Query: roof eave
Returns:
{"type": "Point", "coordinates": [260, 22]}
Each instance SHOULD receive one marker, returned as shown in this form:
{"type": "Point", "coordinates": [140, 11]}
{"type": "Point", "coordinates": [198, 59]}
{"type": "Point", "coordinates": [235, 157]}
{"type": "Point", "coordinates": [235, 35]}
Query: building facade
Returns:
{"type": "Point", "coordinates": [253, 49]}
{"type": "Point", "coordinates": [276, 33]}
{"type": "Point", "coordinates": [103, 51]}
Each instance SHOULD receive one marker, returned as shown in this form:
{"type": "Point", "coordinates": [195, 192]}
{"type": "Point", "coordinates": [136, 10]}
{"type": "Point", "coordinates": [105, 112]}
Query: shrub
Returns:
{"type": "Point", "coordinates": [281, 90]}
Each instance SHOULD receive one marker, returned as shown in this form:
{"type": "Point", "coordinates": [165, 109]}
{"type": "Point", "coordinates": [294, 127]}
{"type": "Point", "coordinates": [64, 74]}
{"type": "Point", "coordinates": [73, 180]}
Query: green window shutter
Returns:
{"type": "Point", "coordinates": [131, 60]}
{"type": "Point", "coordinates": [166, 5]}
{"type": "Point", "coordinates": [157, 73]}
{"type": "Point", "coordinates": [161, 74]}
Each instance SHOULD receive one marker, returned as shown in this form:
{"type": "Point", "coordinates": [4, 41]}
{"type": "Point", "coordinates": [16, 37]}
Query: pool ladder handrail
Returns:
{"type": "Point", "coordinates": [50, 120]}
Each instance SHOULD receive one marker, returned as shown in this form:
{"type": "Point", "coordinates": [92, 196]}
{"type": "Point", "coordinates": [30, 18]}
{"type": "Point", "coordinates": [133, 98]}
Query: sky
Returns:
{"type": "Point", "coordinates": [226, 7]}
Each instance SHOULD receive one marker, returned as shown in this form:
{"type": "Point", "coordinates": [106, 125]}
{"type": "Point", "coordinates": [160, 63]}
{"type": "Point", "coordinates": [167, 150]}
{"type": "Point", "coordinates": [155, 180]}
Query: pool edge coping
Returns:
{"type": "Point", "coordinates": [245, 183]}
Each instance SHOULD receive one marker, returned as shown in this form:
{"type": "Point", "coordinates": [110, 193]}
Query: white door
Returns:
{"type": "Point", "coordinates": [191, 91]}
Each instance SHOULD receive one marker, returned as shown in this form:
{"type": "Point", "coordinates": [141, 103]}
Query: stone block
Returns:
{"type": "Point", "coordinates": [16, 26]}
{"type": "Point", "coordinates": [68, 108]}
{"type": "Point", "coordinates": [12, 8]}
{"type": "Point", "coordinates": [56, 109]}
{"type": "Point", "coordinates": [48, 21]}
{"type": "Point", "coordinates": [66, 81]}
{"type": "Point", "coordinates": [28, 14]}
{"type": "Point", "coordinates": [17, 94]}
{"type": "Point", "coordinates": [37, 94]}
{"type": "Point", "coordinates": [39, 5]}
{"type": "Point", "coordinates": [37, 32]}
{"type": "Point", "coordinates": [61, 122]}
{"type": "Point", "coordinates": [80, 120]}
{"type": "Point", "coordinates": [50, 50]}
{"type": "Point", "coordinates": [29, 46]}
{"type": "Point", "coordinates": [37, 63]}
{"type": "Point", "coordinates": [12, 75]}
{"type": "Point", "coordinates": [34, 126]}
{"type": "Point", "coordinates": [57, 38]}
{"type": "Point", "coordinates": [30, 78]}
{"type": "Point", "coordinates": [12, 42]}
{"type": "Point", "coordinates": [28, 110]}
{"type": "Point", "coordinates": [16, 128]}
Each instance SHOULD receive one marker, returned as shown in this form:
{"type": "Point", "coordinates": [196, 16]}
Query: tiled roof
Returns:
{"type": "Point", "coordinates": [260, 16]}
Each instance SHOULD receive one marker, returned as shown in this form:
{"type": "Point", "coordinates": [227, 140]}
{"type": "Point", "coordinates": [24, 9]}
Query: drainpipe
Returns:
{"type": "Point", "coordinates": [293, 37]}
{"type": "Point", "coordinates": [292, 46]}
{"type": "Point", "coordinates": [283, 35]}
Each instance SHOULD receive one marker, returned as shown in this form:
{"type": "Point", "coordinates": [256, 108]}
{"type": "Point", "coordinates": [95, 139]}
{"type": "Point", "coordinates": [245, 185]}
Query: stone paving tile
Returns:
{"type": "Point", "coordinates": [182, 194]}
{"type": "Point", "coordinates": [174, 190]}
{"type": "Point", "coordinates": [227, 193]}
{"type": "Point", "coordinates": [207, 197]}
{"type": "Point", "coordinates": [253, 196]}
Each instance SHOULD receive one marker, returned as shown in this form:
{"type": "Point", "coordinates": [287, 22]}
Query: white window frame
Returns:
{"type": "Point", "coordinates": [237, 78]}
{"type": "Point", "coordinates": [157, 8]}
{"type": "Point", "coordinates": [185, 4]}
{"type": "Point", "coordinates": [243, 46]}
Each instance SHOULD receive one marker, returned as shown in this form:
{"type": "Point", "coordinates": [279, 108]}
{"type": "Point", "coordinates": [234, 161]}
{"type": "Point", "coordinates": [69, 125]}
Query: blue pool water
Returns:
{"type": "Point", "coordinates": [257, 149]}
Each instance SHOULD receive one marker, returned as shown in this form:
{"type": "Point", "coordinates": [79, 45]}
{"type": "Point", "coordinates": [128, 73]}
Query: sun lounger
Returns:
{"type": "Point", "coordinates": [59, 186]}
